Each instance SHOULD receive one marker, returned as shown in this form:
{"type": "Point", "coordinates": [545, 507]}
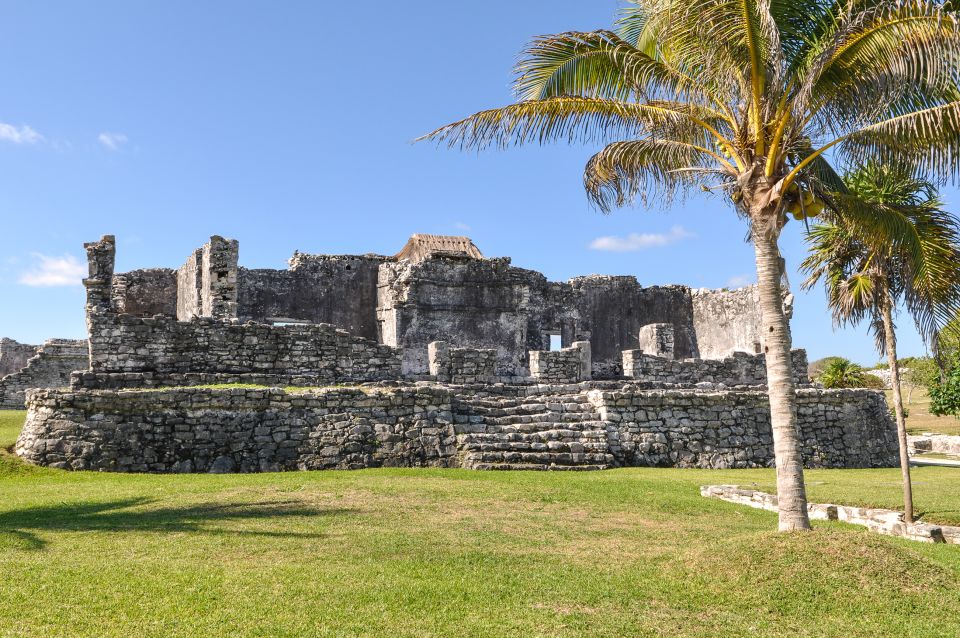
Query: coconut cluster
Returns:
{"type": "Point", "coordinates": [802, 204]}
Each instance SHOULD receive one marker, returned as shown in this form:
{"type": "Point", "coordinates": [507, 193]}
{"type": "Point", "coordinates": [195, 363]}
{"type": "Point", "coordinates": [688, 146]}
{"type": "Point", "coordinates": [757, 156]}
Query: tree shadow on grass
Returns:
{"type": "Point", "coordinates": [18, 528]}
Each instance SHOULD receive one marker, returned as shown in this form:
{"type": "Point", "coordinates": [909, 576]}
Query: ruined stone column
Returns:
{"type": "Point", "coordinates": [219, 278]}
{"type": "Point", "coordinates": [100, 261]}
{"type": "Point", "coordinates": [586, 363]}
{"type": "Point", "coordinates": [99, 285]}
{"type": "Point", "coordinates": [657, 339]}
{"type": "Point", "coordinates": [438, 356]}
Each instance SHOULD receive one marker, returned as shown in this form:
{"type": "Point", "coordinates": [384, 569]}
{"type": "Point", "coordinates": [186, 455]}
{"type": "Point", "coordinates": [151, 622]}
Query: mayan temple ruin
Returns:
{"type": "Point", "coordinates": [437, 356]}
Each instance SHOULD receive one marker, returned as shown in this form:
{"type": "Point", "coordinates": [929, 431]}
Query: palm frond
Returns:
{"type": "Point", "coordinates": [624, 171]}
{"type": "Point", "coordinates": [571, 119]}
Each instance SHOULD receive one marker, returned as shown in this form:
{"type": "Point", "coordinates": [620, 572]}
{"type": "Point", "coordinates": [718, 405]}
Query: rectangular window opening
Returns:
{"type": "Point", "coordinates": [556, 342]}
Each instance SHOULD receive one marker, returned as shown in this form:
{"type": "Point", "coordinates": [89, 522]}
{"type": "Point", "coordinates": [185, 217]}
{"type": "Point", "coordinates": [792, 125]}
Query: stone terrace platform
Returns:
{"type": "Point", "coordinates": [578, 426]}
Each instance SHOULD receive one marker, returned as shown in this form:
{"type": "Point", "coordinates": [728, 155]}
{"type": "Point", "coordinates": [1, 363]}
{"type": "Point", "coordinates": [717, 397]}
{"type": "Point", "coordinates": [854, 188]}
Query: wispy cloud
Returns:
{"type": "Point", "coordinates": [19, 134]}
{"type": "Point", "coordinates": [54, 271]}
{"type": "Point", "coordinates": [739, 281]}
{"type": "Point", "coordinates": [113, 141]}
{"type": "Point", "coordinates": [462, 226]}
{"type": "Point", "coordinates": [640, 241]}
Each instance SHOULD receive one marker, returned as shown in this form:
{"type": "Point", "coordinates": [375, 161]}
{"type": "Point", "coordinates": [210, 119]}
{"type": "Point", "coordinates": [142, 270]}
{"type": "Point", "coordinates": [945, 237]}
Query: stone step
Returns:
{"type": "Point", "coordinates": [528, 408]}
{"type": "Point", "coordinates": [546, 417]}
{"type": "Point", "coordinates": [545, 426]}
{"type": "Point", "coordinates": [519, 402]}
{"type": "Point", "coordinates": [572, 447]}
{"type": "Point", "coordinates": [537, 467]}
{"type": "Point", "coordinates": [549, 458]}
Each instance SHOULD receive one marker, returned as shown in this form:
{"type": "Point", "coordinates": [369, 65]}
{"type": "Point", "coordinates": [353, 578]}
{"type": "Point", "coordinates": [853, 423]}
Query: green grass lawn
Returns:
{"type": "Point", "coordinates": [634, 552]}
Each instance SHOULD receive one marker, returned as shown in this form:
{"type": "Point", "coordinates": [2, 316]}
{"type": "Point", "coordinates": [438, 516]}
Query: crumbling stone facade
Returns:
{"type": "Point", "coordinates": [164, 351]}
{"type": "Point", "coordinates": [238, 430]}
{"type": "Point", "coordinates": [443, 289]}
{"type": "Point", "coordinates": [460, 373]}
{"type": "Point", "coordinates": [147, 292]}
{"type": "Point", "coordinates": [567, 365]}
{"type": "Point", "coordinates": [14, 355]}
{"type": "Point", "coordinates": [50, 367]}
{"type": "Point", "coordinates": [461, 366]}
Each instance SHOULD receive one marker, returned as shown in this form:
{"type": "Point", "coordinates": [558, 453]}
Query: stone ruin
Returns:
{"type": "Point", "coordinates": [50, 365]}
{"type": "Point", "coordinates": [437, 356]}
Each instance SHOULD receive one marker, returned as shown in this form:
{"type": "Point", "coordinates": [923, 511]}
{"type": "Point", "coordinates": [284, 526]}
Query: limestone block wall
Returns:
{"type": "Point", "coordinates": [612, 310]}
{"type": "Point", "coordinates": [739, 369]}
{"type": "Point", "coordinates": [50, 367]}
{"type": "Point", "coordinates": [473, 303]}
{"type": "Point", "coordinates": [238, 430]}
{"type": "Point", "coordinates": [14, 355]}
{"type": "Point", "coordinates": [567, 365]}
{"type": "Point", "coordinates": [206, 350]}
{"type": "Point", "coordinates": [687, 428]}
{"type": "Point", "coordinates": [147, 292]}
{"type": "Point", "coordinates": [336, 289]}
{"type": "Point", "coordinates": [462, 365]}
{"type": "Point", "coordinates": [656, 339]}
{"type": "Point", "coordinates": [726, 321]}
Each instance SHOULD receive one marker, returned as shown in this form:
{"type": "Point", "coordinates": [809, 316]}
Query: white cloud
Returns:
{"type": "Point", "coordinates": [54, 271]}
{"type": "Point", "coordinates": [19, 135]}
{"type": "Point", "coordinates": [739, 281]}
{"type": "Point", "coordinates": [462, 226]}
{"type": "Point", "coordinates": [640, 241]}
{"type": "Point", "coordinates": [113, 141]}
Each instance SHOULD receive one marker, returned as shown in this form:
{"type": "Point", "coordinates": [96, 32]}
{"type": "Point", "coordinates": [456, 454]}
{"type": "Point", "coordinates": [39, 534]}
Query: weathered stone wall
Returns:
{"type": "Point", "coordinates": [238, 430]}
{"type": "Point", "coordinates": [50, 367]}
{"type": "Point", "coordinates": [461, 365]}
{"type": "Point", "coordinates": [147, 292]}
{"type": "Point", "coordinates": [614, 309]}
{"type": "Point", "coordinates": [190, 286]}
{"type": "Point", "coordinates": [207, 349]}
{"type": "Point", "coordinates": [469, 302]}
{"type": "Point", "coordinates": [726, 321]}
{"type": "Point", "coordinates": [14, 355]}
{"type": "Point", "coordinates": [656, 339]}
{"type": "Point", "coordinates": [567, 365]}
{"type": "Point", "coordinates": [739, 369]}
{"type": "Point", "coordinates": [686, 428]}
{"type": "Point", "coordinates": [335, 289]}
{"type": "Point", "coordinates": [561, 426]}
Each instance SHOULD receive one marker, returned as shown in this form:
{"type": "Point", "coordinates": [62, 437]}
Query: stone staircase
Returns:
{"type": "Point", "coordinates": [548, 430]}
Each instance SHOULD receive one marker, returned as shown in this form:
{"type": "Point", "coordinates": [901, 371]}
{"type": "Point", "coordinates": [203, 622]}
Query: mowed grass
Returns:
{"type": "Point", "coordinates": [633, 552]}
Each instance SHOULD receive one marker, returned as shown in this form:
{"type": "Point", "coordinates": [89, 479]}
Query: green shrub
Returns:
{"type": "Point", "coordinates": [843, 373]}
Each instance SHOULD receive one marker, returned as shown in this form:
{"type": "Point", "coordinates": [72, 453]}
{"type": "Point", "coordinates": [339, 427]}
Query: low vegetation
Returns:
{"type": "Point", "coordinates": [449, 552]}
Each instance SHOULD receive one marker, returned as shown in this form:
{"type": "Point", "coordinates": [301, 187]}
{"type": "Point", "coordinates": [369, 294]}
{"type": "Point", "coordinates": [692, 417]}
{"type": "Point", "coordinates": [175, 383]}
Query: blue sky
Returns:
{"type": "Point", "coordinates": [288, 125]}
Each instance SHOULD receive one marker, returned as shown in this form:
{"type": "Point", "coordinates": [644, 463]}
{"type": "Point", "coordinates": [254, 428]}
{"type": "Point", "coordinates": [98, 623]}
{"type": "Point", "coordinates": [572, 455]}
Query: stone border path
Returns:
{"type": "Point", "coordinates": [882, 521]}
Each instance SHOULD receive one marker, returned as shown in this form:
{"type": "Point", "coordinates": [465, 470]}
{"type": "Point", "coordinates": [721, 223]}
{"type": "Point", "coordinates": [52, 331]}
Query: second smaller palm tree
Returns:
{"type": "Point", "coordinates": [911, 256]}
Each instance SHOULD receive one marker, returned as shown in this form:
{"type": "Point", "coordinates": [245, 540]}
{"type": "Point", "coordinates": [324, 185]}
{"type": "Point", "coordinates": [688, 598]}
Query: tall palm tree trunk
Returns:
{"type": "Point", "coordinates": [890, 338]}
{"type": "Point", "coordinates": [791, 493]}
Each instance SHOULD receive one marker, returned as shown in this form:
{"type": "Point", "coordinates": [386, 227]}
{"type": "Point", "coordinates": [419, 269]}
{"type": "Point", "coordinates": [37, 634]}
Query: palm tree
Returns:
{"type": "Point", "coordinates": [744, 98]}
{"type": "Point", "coordinates": [867, 279]}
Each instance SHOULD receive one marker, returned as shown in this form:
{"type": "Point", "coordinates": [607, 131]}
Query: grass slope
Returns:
{"type": "Point", "coordinates": [919, 419]}
{"type": "Point", "coordinates": [447, 552]}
